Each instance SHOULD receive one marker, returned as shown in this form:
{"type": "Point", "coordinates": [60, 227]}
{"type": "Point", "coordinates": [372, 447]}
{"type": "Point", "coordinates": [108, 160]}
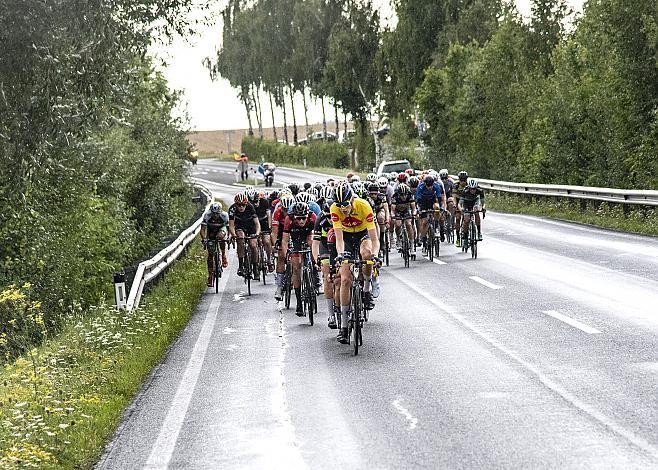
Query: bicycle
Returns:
{"type": "Point", "coordinates": [213, 245]}
{"type": "Point", "coordinates": [405, 242]}
{"type": "Point", "coordinates": [263, 259]}
{"type": "Point", "coordinates": [247, 266]}
{"type": "Point", "coordinates": [385, 247]}
{"type": "Point", "coordinates": [357, 311]}
{"type": "Point", "coordinates": [450, 227]}
{"type": "Point", "coordinates": [309, 293]}
{"type": "Point", "coordinates": [471, 238]}
{"type": "Point", "coordinates": [433, 242]}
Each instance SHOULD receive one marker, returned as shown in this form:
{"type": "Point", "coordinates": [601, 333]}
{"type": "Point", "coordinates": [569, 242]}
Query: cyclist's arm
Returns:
{"type": "Point", "coordinates": [309, 243]}
{"type": "Point", "coordinates": [340, 243]}
{"type": "Point", "coordinates": [387, 212]}
{"type": "Point", "coordinates": [203, 232]}
{"type": "Point", "coordinates": [231, 228]}
{"type": "Point", "coordinates": [269, 218]}
{"type": "Point", "coordinates": [374, 236]}
{"type": "Point", "coordinates": [413, 207]}
{"type": "Point", "coordinates": [257, 224]}
{"type": "Point", "coordinates": [315, 249]}
{"type": "Point", "coordinates": [285, 241]}
{"type": "Point", "coordinates": [482, 197]}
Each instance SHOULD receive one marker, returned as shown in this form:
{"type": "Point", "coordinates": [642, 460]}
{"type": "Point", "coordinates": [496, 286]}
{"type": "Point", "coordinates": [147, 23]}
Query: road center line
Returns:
{"type": "Point", "coordinates": [570, 321]}
{"type": "Point", "coordinates": [485, 283]}
{"type": "Point", "coordinates": [437, 261]}
{"type": "Point", "coordinates": [164, 446]}
{"type": "Point", "coordinates": [556, 388]}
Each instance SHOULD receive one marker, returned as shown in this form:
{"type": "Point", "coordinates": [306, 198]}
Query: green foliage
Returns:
{"type": "Point", "coordinates": [316, 153]}
{"type": "Point", "coordinates": [91, 168]}
{"type": "Point", "coordinates": [60, 403]}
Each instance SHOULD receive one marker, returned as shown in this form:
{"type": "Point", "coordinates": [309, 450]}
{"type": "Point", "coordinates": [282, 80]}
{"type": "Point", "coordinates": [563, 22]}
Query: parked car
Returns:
{"type": "Point", "coordinates": [319, 135]}
{"type": "Point", "coordinates": [393, 165]}
{"type": "Point", "coordinates": [344, 138]}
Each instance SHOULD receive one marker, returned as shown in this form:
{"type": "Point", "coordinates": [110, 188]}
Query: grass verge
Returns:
{"type": "Point", "coordinates": [640, 219]}
{"type": "Point", "coordinates": [60, 403]}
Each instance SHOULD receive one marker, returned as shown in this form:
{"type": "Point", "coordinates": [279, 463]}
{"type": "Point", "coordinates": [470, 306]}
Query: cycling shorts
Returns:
{"type": "Point", "coordinates": [353, 242]}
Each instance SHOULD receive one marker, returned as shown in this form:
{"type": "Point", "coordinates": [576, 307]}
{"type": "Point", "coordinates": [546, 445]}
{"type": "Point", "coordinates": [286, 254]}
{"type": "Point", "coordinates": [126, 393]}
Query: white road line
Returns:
{"type": "Point", "coordinates": [547, 382]}
{"type": "Point", "coordinates": [163, 448]}
{"type": "Point", "coordinates": [404, 412]}
{"type": "Point", "coordinates": [570, 321]}
{"type": "Point", "coordinates": [485, 283]}
{"type": "Point", "coordinates": [435, 260]}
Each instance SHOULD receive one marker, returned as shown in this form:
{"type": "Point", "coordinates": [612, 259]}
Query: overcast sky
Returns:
{"type": "Point", "coordinates": [214, 105]}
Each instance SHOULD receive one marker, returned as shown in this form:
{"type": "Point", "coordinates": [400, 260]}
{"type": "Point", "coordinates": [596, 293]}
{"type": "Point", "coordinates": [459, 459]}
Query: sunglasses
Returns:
{"type": "Point", "coordinates": [241, 205]}
{"type": "Point", "coordinates": [301, 217]}
{"type": "Point", "coordinates": [343, 204]}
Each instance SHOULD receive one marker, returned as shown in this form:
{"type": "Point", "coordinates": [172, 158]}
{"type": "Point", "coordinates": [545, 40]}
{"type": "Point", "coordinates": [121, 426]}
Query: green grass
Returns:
{"type": "Point", "coordinates": [60, 403]}
{"type": "Point", "coordinates": [641, 220]}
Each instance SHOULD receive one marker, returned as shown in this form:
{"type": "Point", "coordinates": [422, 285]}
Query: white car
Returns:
{"type": "Point", "coordinates": [397, 166]}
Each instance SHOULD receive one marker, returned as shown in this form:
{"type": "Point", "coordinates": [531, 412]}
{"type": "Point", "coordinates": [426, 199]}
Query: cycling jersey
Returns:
{"type": "Point", "coordinates": [377, 203]}
{"type": "Point", "coordinates": [423, 193]}
{"type": "Point", "coordinates": [448, 185]}
{"type": "Point", "coordinates": [322, 226]}
{"type": "Point", "coordinates": [299, 233]}
{"type": "Point", "coordinates": [245, 220]}
{"type": "Point", "coordinates": [402, 203]}
{"type": "Point", "coordinates": [279, 216]}
{"type": "Point", "coordinates": [459, 188]}
{"type": "Point", "coordinates": [215, 223]}
{"type": "Point", "coordinates": [471, 201]}
{"type": "Point", "coordinates": [361, 218]}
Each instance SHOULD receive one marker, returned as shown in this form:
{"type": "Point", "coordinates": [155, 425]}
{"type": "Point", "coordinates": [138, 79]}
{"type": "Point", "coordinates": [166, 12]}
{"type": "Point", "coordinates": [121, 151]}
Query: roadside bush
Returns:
{"type": "Point", "coordinates": [316, 153]}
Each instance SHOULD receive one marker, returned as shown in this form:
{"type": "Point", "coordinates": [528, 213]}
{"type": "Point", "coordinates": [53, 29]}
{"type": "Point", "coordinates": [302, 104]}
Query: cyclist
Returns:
{"type": "Point", "coordinates": [214, 226]}
{"type": "Point", "coordinates": [243, 222]}
{"type": "Point", "coordinates": [472, 200]}
{"type": "Point", "coordinates": [293, 188]}
{"type": "Point", "coordinates": [299, 228]}
{"type": "Point", "coordinates": [354, 227]}
{"type": "Point", "coordinates": [403, 207]}
{"type": "Point", "coordinates": [278, 220]}
{"type": "Point", "coordinates": [449, 186]}
{"type": "Point", "coordinates": [379, 208]}
{"type": "Point", "coordinates": [430, 195]}
{"type": "Point", "coordinates": [457, 193]}
{"type": "Point", "coordinates": [371, 178]}
{"type": "Point", "coordinates": [262, 206]}
{"type": "Point", "coordinates": [308, 198]}
{"type": "Point", "coordinates": [324, 254]}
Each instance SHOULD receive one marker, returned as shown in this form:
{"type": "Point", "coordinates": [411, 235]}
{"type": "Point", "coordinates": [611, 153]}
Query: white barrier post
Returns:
{"type": "Point", "coordinates": [120, 290]}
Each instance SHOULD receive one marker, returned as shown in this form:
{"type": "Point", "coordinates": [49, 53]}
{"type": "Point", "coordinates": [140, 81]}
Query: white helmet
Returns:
{"type": "Point", "coordinates": [382, 182]}
{"type": "Point", "coordinates": [472, 183]}
{"type": "Point", "coordinates": [371, 178]}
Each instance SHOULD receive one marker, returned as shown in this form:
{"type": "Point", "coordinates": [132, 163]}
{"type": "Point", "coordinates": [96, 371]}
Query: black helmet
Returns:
{"type": "Point", "coordinates": [300, 209]}
{"type": "Point", "coordinates": [294, 189]}
{"type": "Point", "coordinates": [428, 180]}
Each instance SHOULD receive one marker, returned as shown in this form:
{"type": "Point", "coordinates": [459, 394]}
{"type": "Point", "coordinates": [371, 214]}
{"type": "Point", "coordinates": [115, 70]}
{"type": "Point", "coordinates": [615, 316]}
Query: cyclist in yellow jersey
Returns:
{"type": "Point", "coordinates": [356, 233]}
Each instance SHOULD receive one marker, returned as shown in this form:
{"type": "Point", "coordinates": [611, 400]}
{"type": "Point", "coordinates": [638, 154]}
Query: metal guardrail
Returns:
{"type": "Point", "coordinates": [622, 196]}
{"type": "Point", "coordinates": [150, 269]}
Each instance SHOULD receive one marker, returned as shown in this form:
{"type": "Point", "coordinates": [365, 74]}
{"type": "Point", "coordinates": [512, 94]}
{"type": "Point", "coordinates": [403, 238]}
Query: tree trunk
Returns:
{"type": "Point", "coordinates": [336, 116]}
{"type": "Point", "coordinates": [273, 124]}
{"type": "Point", "coordinates": [245, 100]}
{"type": "Point", "coordinates": [345, 124]}
{"type": "Point", "coordinates": [260, 112]}
{"type": "Point", "coordinates": [308, 131]}
{"type": "Point", "coordinates": [294, 117]}
{"type": "Point", "coordinates": [256, 109]}
{"type": "Point", "coordinates": [324, 119]}
{"type": "Point", "coordinates": [285, 117]}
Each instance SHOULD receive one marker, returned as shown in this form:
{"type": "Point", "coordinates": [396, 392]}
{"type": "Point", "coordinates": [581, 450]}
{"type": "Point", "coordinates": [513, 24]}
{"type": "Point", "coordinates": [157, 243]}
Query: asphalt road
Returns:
{"type": "Point", "coordinates": [542, 353]}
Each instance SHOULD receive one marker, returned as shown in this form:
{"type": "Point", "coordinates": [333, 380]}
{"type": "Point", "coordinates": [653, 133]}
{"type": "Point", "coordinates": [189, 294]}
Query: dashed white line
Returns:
{"type": "Point", "coordinates": [485, 283]}
{"type": "Point", "coordinates": [435, 260]}
{"type": "Point", "coordinates": [570, 321]}
{"type": "Point", "coordinates": [413, 422]}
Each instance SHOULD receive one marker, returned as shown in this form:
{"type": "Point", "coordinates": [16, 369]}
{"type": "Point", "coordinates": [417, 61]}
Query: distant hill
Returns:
{"type": "Point", "coordinates": [228, 141]}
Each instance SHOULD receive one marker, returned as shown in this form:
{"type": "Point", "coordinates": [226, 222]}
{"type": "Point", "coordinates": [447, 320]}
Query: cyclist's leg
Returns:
{"type": "Point", "coordinates": [478, 221]}
{"type": "Point", "coordinates": [367, 255]}
{"type": "Point", "coordinates": [296, 261]}
{"type": "Point", "coordinates": [221, 236]}
{"type": "Point", "coordinates": [411, 231]}
{"type": "Point", "coordinates": [267, 244]}
{"type": "Point", "coordinates": [240, 246]}
{"type": "Point", "coordinates": [210, 263]}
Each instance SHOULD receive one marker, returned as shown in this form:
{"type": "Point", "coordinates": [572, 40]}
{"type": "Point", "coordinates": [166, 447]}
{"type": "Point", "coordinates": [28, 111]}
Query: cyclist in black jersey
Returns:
{"type": "Point", "coordinates": [472, 200]}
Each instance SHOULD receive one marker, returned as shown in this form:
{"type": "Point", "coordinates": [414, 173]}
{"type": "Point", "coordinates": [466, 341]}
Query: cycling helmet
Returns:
{"type": "Point", "coordinates": [428, 180]}
{"type": "Point", "coordinates": [462, 175]}
{"type": "Point", "coordinates": [356, 178]}
{"type": "Point", "coordinates": [327, 193]}
{"type": "Point", "coordinates": [287, 201]}
{"type": "Point", "coordinates": [252, 195]}
{"type": "Point", "coordinates": [240, 198]}
{"type": "Point", "coordinates": [392, 176]}
{"type": "Point", "coordinates": [307, 185]}
{"type": "Point", "coordinates": [443, 174]}
{"type": "Point", "coordinates": [371, 177]}
{"type": "Point", "coordinates": [294, 189]}
{"type": "Point", "coordinates": [472, 183]}
{"type": "Point", "coordinates": [413, 182]}
{"type": "Point", "coordinates": [303, 197]}
{"type": "Point", "coordinates": [403, 189]}
{"type": "Point", "coordinates": [274, 194]}
{"type": "Point", "coordinates": [216, 208]}
{"type": "Point", "coordinates": [314, 193]}
{"type": "Point", "coordinates": [410, 172]}
{"type": "Point", "coordinates": [382, 182]}
{"type": "Point", "coordinates": [402, 177]}
{"type": "Point", "coordinates": [331, 182]}
{"type": "Point", "coordinates": [433, 174]}
{"type": "Point", "coordinates": [343, 193]}
{"type": "Point", "coordinates": [300, 209]}
{"type": "Point", "coordinates": [358, 188]}
{"type": "Point", "coordinates": [349, 176]}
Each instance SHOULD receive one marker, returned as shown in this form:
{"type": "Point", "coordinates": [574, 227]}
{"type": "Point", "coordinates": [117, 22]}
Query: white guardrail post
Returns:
{"type": "Point", "coordinates": [150, 269]}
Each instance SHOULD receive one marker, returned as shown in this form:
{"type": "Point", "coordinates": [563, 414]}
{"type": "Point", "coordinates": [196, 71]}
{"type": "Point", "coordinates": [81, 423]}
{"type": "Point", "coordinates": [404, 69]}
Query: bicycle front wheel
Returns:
{"type": "Point", "coordinates": [430, 241]}
{"type": "Point", "coordinates": [287, 282]}
{"type": "Point", "coordinates": [216, 270]}
{"type": "Point", "coordinates": [357, 307]}
{"type": "Point", "coordinates": [247, 270]}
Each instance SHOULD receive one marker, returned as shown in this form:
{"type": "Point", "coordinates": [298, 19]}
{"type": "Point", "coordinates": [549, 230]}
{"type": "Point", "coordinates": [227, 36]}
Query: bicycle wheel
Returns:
{"type": "Point", "coordinates": [387, 248]}
{"type": "Point", "coordinates": [247, 269]}
{"type": "Point", "coordinates": [263, 264]}
{"type": "Point", "coordinates": [356, 318]}
{"type": "Point", "coordinates": [217, 273]}
{"type": "Point", "coordinates": [307, 295]}
{"type": "Point", "coordinates": [430, 240]}
{"type": "Point", "coordinates": [474, 240]}
{"type": "Point", "coordinates": [287, 284]}
{"type": "Point", "coordinates": [406, 248]}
